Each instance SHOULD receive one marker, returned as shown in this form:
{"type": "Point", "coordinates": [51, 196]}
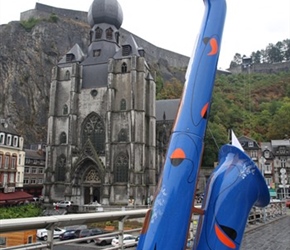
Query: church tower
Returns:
{"type": "Point", "coordinates": [101, 125]}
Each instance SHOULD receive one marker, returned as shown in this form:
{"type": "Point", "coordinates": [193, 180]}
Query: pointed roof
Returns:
{"type": "Point", "coordinates": [77, 53]}
{"type": "Point", "coordinates": [134, 48]}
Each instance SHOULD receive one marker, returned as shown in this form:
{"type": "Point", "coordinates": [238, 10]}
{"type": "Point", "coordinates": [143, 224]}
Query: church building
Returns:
{"type": "Point", "coordinates": [101, 143]}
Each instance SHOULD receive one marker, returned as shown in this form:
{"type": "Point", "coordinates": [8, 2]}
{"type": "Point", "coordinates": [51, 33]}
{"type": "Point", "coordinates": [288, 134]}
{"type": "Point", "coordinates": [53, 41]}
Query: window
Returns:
{"type": "Point", "coordinates": [109, 34]}
{"type": "Point", "coordinates": [67, 75]}
{"type": "Point", "coordinates": [123, 104]}
{"type": "Point", "coordinates": [122, 136]}
{"type": "Point", "coordinates": [60, 168]}
{"type": "Point", "coordinates": [26, 170]}
{"type": "Point", "coordinates": [283, 162]}
{"type": "Point", "coordinates": [15, 141]}
{"type": "Point", "coordinates": [5, 179]}
{"type": "Point", "coordinates": [40, 170]}
{"type": "Point", "coordinates": [70, 57]}
{"type": "Point", "coordinates": [282, 150]}
{"type": "Point", "coordinates": [13, 162]}
{"type": "Point", "coordinates": [2, 138]}
{"type": "Point", "coordinates": [65, 110]}
{"type": "Point", "coordinates": [251, 144]}
{"type": "Point", "coordinates": [97, 53]}
{"type": "Point", "coordinates": [121, 171]}
{"type": "Point", "coordinates": [26, 181]}
{"type": "Point", "coordinates": [9, 140]}
{"type": "Point", "coordinates": [253, 153]}
{"type": "Point", "coordinates": [62, 138]}
{"type": "Point", "coordinates": [40, 181]}
{"type": "Point", "coordinates": [18, 176]}
{"type": "Point", "coordinates": [124, 68]}
{"type": "Point", "coordinates": [27, 161]}
{"type": "Point", "coordinates": [7, 159]}
{"type": "Point", "coordinates": [126, 50]}
{"type": "Point", "coordinates": [94, 130]}
{"type": "Point", "coordinates": [98, 33]}
{"type": "Point", "coordinates": [33, 181]}
{"type": "Point", "coordinates": [33, 170]}
{"type": "Point", "coordinates": [11, 178]}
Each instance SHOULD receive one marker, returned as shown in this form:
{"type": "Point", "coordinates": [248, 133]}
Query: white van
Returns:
{"type": "Point", "coordinates": [42, 233]}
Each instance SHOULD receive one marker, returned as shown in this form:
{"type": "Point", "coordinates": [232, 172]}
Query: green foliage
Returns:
{"type": "Point", "coordinates": [29, 24]}
{"type": "Point", "coordinates": [170, 90]}
{"type": "Point", "coordinates": [21, 211]}
{"type": "Point", "coordinates": [53, 18]}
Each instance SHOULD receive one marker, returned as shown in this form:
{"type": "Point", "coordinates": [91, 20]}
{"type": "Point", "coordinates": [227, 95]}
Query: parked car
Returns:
{"type": "Point", "coordinates": [82, 233]}
{"type": "Point", "coordinates": [63, 204]}
{"type": "Point", "coordinates": [127, 238]}
{"type": "Point", "coordinates": [104, 240]}
{"type": "Point", "coordinates": [42, 233]}
{"type": "Point", "coordinates": [98, 231]}
{"type": "Point", "coordinates": [67, 235]}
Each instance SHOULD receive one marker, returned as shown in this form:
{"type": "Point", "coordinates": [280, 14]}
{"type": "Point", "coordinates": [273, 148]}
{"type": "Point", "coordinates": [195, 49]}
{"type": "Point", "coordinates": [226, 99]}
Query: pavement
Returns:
{"type": "Point", "coordinates": [272, 235]}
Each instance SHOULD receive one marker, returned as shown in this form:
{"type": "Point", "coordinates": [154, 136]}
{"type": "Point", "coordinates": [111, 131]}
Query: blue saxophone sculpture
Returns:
{"type": "Point", "coordinates": [166, 224]}
{"type": "Point", "coordinates": [233, 188]}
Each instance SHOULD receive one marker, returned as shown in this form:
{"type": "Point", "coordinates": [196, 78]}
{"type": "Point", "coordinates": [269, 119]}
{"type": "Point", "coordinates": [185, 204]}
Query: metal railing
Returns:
{"type": "Point", "coordinates": [274, 209]}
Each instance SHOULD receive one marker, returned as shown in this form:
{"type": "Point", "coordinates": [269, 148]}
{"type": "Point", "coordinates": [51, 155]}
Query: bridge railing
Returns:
{"type": "Point", "coordinates": [274, 209]}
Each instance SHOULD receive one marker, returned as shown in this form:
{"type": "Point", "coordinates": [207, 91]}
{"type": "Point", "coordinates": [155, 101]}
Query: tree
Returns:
{"type": "Point", "coordinates": [171, 90]}
{"type": "Point", "coordinates": [280, 125]}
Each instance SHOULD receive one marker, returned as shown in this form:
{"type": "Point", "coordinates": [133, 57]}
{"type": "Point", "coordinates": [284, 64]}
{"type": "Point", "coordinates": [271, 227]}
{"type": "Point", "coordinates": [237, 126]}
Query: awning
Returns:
{"type": "Point", "coordinates": [14, 197]}
{"type": "Point", "coordinates": [273, 193]}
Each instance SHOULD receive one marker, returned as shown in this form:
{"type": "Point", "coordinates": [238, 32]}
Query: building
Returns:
{"type": "Point", "coordinates": [34, 171]}
{"type": "Point", "coordinates": [101, 125]}
{"type": "Point", "coordinates": [12, 158]}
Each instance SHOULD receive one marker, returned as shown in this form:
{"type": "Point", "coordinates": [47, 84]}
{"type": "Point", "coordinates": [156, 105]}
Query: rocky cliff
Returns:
{"type": "Point", "coordinates": [28, 51]}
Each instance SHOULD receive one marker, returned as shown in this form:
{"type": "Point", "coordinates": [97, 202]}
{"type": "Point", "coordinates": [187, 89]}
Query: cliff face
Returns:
{"type": "Point", "coordinates": [27, 57]}
{"type": "Point", "coordinates": [26, 61]}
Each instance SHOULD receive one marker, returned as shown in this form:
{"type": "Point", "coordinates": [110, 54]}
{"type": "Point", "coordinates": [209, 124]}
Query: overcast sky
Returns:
{"type": "Point", "coordinates": [250, 24]}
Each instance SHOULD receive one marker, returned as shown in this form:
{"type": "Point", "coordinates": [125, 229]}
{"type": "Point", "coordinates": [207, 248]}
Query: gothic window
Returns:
{"type": "Point", "coordinates": [67, 75]}
{"type": "Point", "coordinates": [91, 36]}
{"type": "Point", "coordinates": [109, 34]}
{"type": "Point", "coordinates": [98, 33]}
{"type": "Point", "coordinates": [62, 138]}
{"type": "Point", "coordinates": [92, 176]}
{"type": "Point", "coordinates": [70, 57]}
{"type": "Point", "coordinates": [121, 168]}
{"type": "Point", "coordinates": [126, 50]}
{"type": "Point", "coordinates": [124, 68]}
{"type": "Point", "coordinates": [94, 130]}
{"type": "Point", "coordinates": [60, 168]}
{"type": "Point", "coordinates": [65, 110]}
{"type": "Point", "coordinates": [123, 104]}
{"type": "Point", "coordinates": [122, 136]}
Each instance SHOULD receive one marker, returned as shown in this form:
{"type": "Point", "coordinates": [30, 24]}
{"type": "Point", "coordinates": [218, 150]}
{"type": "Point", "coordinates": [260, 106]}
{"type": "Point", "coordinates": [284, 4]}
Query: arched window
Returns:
{"type": "Point", "coordinates": [122, 136]}
{"type": "Point", "coordinates": [60, 168]}
{"type": "Point", "coordinates": [124, 68]}
{"type": "Point", "coordinates": [62, 137]}
{"type": "Point", "coordinates": [94, 130]}
{"type": "Point", "coordinates": [123, 104]}
{"type": "Point", "coordinates": [109, 34]}
{"type": "Point", "coordinates": [65, 110]}
{"type": "Point", "coordinates": [121, 168]}
{"type": "Point", "coordinates": [98, 33]}
{"type": "Point", "coordinates": [67, 75]}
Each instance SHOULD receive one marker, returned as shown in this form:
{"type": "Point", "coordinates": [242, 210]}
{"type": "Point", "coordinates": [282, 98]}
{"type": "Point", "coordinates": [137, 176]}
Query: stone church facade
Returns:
{"type": "Point", "coordinates": [101, 144]}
